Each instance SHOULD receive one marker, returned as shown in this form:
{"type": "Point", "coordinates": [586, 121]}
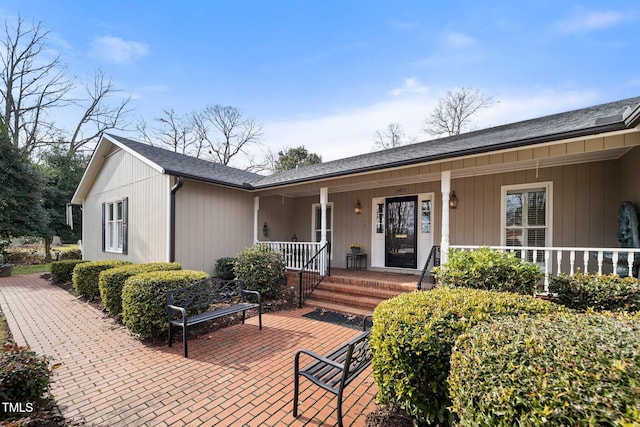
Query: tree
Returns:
{"type": "Point", "coordinates": [174, 132]}
{"type": "Point", "coordinates": [61, 172]}
{"type": "Point", "coordinates": [31, 84]}
{"type": "Point", "coordinates": [225, 132]}
{"type": "Point", "coordinates": [392, 136]}
{"type": "Point", "coordinates": [21, 210]}
{"type": "Point", "coordinates": [453, 113]}
{"type": "Point", "coordinates": [294, 158]}
{"type": "Point", "coordinates": [99, 115]}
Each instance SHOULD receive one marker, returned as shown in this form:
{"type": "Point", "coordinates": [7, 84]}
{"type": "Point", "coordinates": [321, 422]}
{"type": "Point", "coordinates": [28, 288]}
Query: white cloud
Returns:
{"type": "Point", "coordinates": [459, 40]}
{"type": "Point", "coordinates": [339, 135]}
{"type": "Point", "coordinates": [410, 86]}
{"type": "Point", "coordinates": [117, 50]}
{"type": "Point", "coordinates": [583, 20]}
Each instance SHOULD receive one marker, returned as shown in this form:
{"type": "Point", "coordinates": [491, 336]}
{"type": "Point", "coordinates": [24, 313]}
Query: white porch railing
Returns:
{"type": "Point", "coordinates": [555, 261]}
{"type": "Point", "coordinates": [297, 254]}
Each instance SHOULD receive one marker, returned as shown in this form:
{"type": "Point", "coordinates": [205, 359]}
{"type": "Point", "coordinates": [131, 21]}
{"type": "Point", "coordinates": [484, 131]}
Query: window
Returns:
{"type": "Point", "coordinates": [114, 226]}
{"type": "Point", "coordinates": [317, 221]}
{"type": "Point", "coordinates": [380, 218]}
{"type": "Point", "coordinates": [425, 216]}
{"type": "Point", "coordinates": [526, 219]}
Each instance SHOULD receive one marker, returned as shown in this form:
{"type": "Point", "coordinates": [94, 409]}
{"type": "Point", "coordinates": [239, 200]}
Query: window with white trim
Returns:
{"type": "Point", "coordinates": [317, 221]}
{"type": "Point", "coordinates": [114, 226]}
{"type": "Point", "coordinates": [526, 216]}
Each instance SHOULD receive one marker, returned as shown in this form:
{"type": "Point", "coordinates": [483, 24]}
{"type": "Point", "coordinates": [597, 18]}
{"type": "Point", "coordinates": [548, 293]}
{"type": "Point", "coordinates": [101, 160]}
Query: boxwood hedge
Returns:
{"type": "Point", "coordinates": [144, 303]}
{"type": "Point", "coordinates": [260, 269]}
{"type": "Point", "coordinates": [111, 281]}
{"type": "Point", "coordinates": [86, 275]}
{"type": "Point", "coordinates": [62, 271]}
{"type": "Point", "coordinates": [562, 369]}
{"type": "Point", "coordinates": [412, 338]}
{"type": "Point", "coordinates": [605, 292]}
{"type": "Point", "coordinates": [490, 270]}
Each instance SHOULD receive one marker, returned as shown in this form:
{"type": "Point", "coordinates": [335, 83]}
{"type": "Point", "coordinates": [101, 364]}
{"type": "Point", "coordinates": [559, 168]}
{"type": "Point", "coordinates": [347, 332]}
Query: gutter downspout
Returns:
{"type": "Point", "coordinates": [172, 218]}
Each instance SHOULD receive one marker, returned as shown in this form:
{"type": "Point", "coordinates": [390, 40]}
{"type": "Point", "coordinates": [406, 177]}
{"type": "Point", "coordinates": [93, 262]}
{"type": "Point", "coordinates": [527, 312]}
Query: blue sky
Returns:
{"type": "Point", "coordinates": [328, 74]}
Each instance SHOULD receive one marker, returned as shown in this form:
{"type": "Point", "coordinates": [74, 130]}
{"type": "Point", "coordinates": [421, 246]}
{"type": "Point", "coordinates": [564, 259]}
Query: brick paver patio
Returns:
{"type": "Point", "coordinates": [235, 376]}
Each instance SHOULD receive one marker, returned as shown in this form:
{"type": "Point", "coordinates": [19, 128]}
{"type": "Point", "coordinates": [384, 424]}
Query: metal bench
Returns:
{"type": "Point", "coordinates": [337, 369]}
{"type": "Point", "coordinates": [204, 301]}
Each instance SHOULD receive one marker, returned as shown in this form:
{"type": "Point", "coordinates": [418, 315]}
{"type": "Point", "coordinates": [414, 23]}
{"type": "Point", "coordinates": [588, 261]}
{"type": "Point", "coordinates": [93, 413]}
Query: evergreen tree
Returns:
{"type": "Point", "coordinates": [21, 211]}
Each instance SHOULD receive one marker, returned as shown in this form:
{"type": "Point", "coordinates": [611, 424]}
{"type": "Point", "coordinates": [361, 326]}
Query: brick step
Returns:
{"type": "Point", "coordinates": [337, 308]}
{"type": "Point", "coordinates": [357, 301]}
{"type": "Point", "coordinates": [408, 285]}
{"type": "Point", "coordinates": [357, 291]}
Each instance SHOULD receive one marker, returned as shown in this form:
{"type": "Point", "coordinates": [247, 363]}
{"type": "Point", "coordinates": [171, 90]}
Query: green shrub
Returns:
{"type": "Point", "coordinates": [566, 369]}
{"type": "Point", "coordinates": [62, 271]}
{"type": "Point", "coordinates": [224, 268]}
{"type": "Point", "coordinates": [488, 269]}
{"type": "Point", "coordinates": [111, 281]}
{"type": "Point", "coordinates": [261, 269]}
{"type": "Point", "coordinates": [412, 338]}
{"type": "Point", "coordinates": [24, 376]}
{"type": "Point", "coordinates": [86, 275]}
{"type": "Point", "coordinates": [71, 254]}
{"type": "Point", "coordinates": [144, 301]}
{"type": "Point", "coordinates": [606, 292]}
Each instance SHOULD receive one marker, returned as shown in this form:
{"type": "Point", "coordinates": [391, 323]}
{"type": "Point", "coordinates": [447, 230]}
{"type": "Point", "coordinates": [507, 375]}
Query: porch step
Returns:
{"type": "Point", "coordinates": [358, 295]}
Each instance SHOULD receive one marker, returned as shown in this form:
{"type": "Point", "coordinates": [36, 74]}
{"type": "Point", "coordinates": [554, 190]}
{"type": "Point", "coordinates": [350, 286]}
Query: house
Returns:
{"type": "Point", "coordinates": [554, 182]}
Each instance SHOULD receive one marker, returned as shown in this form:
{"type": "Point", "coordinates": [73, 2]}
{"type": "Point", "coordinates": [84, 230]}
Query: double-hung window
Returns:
{"type": "Point", "coordinates": [526, 216]}
{"type": "Point", "coordinates": [114, 226]}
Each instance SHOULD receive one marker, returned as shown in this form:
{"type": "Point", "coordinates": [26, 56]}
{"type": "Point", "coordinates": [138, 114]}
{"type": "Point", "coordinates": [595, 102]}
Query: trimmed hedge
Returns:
{"type": "Point", "coordinates": [412, 338]}
{"type": "Point", "coordinates": [144, 301]}
{"type": "Point", "coordinates": [261, 269]}
{"type": "Point", "coordinates": [62, 271]}
{"type": "Point", "coordinates": [111, 281]}
{"type": "Point", "coordinates": [490, 270]}
{"type": "Point", "coordinates": [567, 369]}
{"type": "Point", "coordinates": [86, 275]}
{"type": "Point", "coordinates": [224, 268]}
{"type": "Point", "coordinates": [24, 376]}
{"type": "Point", "coordinates": [71, 254]}
{"type": "Point", "coordinates": [606, 292]}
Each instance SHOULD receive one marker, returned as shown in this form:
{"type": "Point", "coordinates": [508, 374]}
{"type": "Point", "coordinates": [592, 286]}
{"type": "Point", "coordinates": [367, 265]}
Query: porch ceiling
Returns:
{"type": "Point", "coordinates": [412, 174]}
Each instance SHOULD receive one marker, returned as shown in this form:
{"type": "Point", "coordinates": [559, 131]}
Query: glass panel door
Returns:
{"type": "Point", "coordinates": [401, 248]}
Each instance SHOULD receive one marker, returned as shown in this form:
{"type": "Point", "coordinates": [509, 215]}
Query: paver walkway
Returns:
{"type": "Point", "coordinates": [235, 376]}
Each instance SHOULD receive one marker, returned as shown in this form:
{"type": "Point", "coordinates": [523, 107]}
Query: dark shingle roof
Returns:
{"type": "Point", "coordinates": [190, 167]}
{"type": "Point", "coordinates": [587, 121]}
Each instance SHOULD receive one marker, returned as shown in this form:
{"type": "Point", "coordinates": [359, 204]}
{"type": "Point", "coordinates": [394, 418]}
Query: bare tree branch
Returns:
{"type": "Point", "coordinates": [99, 116]}
{"type": "Point", "coordinates": [30, 84]}
{"type": "Point", "coordinates": [227, 133]}
{"type": "Point", "coordinates": [454, 111]}
{"type": "Point", "coordinates": [392, 136]}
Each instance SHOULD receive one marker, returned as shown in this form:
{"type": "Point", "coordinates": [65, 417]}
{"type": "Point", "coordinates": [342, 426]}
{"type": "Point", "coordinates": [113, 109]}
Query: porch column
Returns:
{"type": "Point", "coordinates": [256, 208]}
{"type": "Point", "coordinates": [324, 197]}
{"type": "Point", "coordinates": [445, 187]}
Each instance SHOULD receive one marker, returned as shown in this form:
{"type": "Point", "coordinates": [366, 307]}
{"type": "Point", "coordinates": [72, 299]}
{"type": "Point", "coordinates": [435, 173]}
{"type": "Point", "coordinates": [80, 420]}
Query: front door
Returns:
{"type": "Point", "coordinates": [400, 241]}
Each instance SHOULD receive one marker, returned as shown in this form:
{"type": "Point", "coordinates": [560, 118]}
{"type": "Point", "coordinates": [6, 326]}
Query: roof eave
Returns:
{"type": "Point", "coordinates": [612, 127]}
{"type": "Point", "coordinates": [243, 186]}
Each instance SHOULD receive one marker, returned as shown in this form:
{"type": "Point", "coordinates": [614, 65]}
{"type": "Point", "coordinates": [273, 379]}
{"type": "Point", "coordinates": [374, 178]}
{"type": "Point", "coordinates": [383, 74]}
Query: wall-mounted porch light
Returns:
{"type": "Point", "coordinates": [294, 238]}
{"type": "Point", "coordinates": [453, 200]}
{"type": "Point", "coordinates": [358, 209]}
{"type": "Point", "coordinates": [265, 229]}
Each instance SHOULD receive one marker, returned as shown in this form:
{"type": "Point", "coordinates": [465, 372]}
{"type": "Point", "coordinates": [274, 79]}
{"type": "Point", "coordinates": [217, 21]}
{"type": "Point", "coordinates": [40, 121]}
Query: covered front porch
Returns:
{"type": "Point", "coordinates": [556, 205]}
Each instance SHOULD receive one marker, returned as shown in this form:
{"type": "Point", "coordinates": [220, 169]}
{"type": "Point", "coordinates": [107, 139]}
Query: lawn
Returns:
{"type": "Point", "coordinates": [27, 269]}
